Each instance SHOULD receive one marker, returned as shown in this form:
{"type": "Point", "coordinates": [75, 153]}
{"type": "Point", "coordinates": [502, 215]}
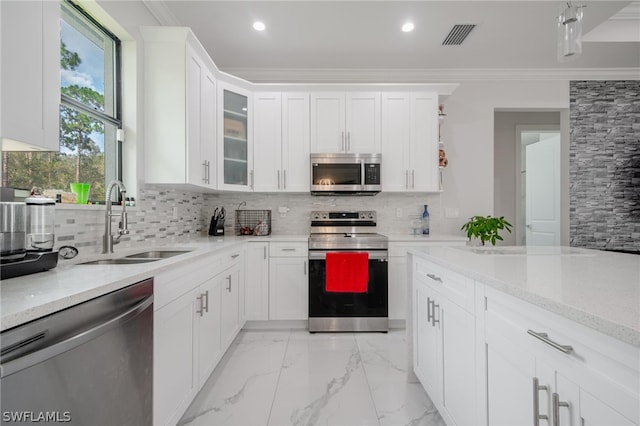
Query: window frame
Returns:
{"type": "Point", "coordinates": [116, 120]}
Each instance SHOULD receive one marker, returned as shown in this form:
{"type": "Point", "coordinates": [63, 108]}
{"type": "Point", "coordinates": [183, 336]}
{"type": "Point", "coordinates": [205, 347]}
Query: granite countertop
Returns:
{"type": "Point", "coordinates": [600, 290]}
{"type": "Point", "coordinates": [29, 297]}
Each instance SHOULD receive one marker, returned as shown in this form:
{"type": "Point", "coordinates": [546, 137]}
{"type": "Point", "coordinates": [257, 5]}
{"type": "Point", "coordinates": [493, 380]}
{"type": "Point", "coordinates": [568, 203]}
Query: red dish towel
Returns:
{"type": "Point", "coordinates": [347, 272]}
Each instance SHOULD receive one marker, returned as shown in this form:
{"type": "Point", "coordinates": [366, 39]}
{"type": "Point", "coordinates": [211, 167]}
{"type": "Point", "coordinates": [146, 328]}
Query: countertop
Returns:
{"type": "Point", "coordinates": [29, 297]}
{"type": "Point", "coordinates": [598, 289]}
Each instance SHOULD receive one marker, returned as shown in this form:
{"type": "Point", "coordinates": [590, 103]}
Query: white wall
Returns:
{"type": "Point", "coordinates": [468, 134]}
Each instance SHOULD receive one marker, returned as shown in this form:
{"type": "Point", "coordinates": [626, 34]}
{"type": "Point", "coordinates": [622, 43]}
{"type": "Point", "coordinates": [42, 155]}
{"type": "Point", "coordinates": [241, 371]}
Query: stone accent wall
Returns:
{"type": "Point", "coordinates": [604, 164]}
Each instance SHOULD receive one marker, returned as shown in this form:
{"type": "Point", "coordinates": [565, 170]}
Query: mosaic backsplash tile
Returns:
{"type": "Point", "coordinates": [604, 158]}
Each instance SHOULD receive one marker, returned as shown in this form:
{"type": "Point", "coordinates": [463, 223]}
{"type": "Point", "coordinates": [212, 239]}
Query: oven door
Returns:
{"type": "Point", "coordinates": [373, 303]}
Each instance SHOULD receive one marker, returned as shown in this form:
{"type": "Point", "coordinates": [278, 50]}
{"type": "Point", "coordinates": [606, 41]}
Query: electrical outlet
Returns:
{"type": "Point", "coordinates": [451, 212]}
{"type": "Point", "coordinates": [398, 212]}
{"type": "Point", "coordinates": [175, 212]}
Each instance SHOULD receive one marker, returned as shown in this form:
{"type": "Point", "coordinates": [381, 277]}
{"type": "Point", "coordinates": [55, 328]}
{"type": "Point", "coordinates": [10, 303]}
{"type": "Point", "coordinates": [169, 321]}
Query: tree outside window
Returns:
{"type": "Point", "coordinates": [89, 115]}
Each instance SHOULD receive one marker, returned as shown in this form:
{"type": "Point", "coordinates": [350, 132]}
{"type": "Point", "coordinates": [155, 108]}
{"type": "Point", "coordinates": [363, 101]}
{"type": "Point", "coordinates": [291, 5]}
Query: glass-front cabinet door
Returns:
{"type": "Point", "coordinates": [235, 150]}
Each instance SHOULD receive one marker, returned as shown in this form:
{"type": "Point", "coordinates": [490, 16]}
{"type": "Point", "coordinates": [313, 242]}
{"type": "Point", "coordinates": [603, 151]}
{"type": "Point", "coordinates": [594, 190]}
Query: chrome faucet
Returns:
{"type": "Point", "coordinates": [108, 240]}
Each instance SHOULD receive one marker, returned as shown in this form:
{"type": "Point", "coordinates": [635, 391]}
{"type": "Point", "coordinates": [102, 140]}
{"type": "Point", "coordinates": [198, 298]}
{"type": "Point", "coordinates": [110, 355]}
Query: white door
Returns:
{"type": "Point", "coordinates": [363, 122]}
{"type": "Point", "coordinates": [208, 129]}
{"type": "Point", "coordinates": [396, 138]}
{"type": "Point", "coordinates": [208, 313]}
{"type": "Point", "coordinates": [542, 190]}
{"type": "Point", "coordinates": [230, 305]}
{"type": "Point", "coordinates": [288, 288]}
{"type": "Point", "coordinates": [267, 141]}
{"type": "Point", "coordinates": [424, 142]}
{"type": "Point", "coordinates": [195, 71]}
{"type": "Point", "coordinates": [257, 281]}
{"type": "Point", "coordinates": [327, 122]}
{"type": "Point", "coordinates": [296, 176]}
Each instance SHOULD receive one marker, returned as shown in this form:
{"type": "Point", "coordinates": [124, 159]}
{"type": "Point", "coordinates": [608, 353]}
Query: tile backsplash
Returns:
{"type": "Point", "coordinates": [167, 215]}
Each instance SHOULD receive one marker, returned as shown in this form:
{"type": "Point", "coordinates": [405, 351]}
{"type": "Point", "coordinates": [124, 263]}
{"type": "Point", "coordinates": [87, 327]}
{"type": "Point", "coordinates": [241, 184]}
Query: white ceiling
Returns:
{"type": "Point", "coordinates": [353, 34]}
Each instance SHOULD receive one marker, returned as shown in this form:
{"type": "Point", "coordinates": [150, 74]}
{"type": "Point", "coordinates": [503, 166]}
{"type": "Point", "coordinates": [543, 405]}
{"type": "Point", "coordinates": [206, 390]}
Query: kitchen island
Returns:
{"type": "Point", "coordinates": [488, 323]}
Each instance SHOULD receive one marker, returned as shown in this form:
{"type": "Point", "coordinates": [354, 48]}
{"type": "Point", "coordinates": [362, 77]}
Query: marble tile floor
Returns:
{"type": "Point", "coordinates": [292, 377]}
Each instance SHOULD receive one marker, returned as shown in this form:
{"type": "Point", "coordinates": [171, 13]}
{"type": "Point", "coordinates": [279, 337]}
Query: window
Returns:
{"type": "Point", "coordinates": [89, 114]}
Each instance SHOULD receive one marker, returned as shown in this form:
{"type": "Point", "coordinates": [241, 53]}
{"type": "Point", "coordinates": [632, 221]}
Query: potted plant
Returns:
{"type": "Point", "coordinates": [486, 228]}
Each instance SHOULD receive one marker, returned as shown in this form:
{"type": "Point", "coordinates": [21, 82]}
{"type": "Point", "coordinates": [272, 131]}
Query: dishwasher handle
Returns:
{"type": "Point", "coordinates": [84, 336]}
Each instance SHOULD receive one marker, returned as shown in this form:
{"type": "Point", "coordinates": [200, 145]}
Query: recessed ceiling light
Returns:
{"type": "Point", "coordinates": [259, 26]}
{"type": "Point", "coordinates": [408, 27]}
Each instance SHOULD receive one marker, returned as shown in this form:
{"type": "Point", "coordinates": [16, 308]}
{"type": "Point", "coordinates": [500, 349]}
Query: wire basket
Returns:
{"type": "Point", "coordinates": [253, 222]}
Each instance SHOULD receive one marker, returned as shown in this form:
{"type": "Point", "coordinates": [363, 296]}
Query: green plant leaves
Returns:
{"type": "Point", "coordinates": [486, 228]}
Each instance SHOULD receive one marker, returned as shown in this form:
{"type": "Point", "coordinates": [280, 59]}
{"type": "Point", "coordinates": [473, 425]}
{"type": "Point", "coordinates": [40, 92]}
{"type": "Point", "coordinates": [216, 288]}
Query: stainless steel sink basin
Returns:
{"type": "Point", "coordinates": [157, 254]}
{"type": "Point", "coordinates": [119, 261]}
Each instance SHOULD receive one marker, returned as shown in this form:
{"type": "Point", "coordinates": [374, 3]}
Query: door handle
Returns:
{"type": "Point", "coordinates": [265, 252]}
{"type": "Point", "coordinates": [536, 402]}
{"type": "Point", "coordinates": [251, 175]}
{"type": "Point", "coordinates": [305, 267]}
{"type": "Point", "coordinates": [235, 255]}
{"type": "Point", "coordinates": [284, 175]}
{"type": "Point", "coordinates": [342, 147]}
{"type": "Point", "coordinates": [406, 179]}
{"type": "Point", "coordinates": [201, 310]}
{"type": "Point", "coordinates": [556, 404]}
{"type": "Point", "coordinates": [435, 277]}
{"type": "Point", "coordinates": [229, 287]}
{"type": "Point", "coordinates": [429, 314]}
{"type": "Point", "coordinates": [278, 179]}
{"type": "Point", "coordinates": [413, 179]}
{"type": "Point", "coordinates": [204, 171]}
{"type": "Point", "coordinates": [206, 297]}
{"type": "Point", "coordinates": [348, 141]}
{"type": "Point", "coordinates": [566, 349]}
{"type": "Point", "coordinates": [434, 321]}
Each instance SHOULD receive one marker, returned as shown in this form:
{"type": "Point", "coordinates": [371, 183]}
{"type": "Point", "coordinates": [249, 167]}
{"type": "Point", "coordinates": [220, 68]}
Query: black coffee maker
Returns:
{"type": "Point", "coordinates": [216, 227]}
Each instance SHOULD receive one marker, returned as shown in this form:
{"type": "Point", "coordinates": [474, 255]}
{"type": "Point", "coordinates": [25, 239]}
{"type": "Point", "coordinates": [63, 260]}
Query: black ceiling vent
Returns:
{"type": "Point", "coordinates": [458, 34]}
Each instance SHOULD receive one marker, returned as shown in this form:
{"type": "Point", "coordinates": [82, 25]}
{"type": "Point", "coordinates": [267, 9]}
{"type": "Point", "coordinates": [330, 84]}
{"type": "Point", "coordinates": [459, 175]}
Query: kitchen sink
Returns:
{"type": "Point", "coordinates": [119, 261]}
{"type": "Point", "coordinates": [157, 254]}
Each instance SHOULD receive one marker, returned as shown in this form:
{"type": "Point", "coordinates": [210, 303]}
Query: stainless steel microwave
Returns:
{"type": "Point", "coordinates": [345, 174]}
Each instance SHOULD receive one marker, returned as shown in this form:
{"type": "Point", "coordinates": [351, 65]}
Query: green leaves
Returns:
{"type": "Point", "coordinates": [486, 228]}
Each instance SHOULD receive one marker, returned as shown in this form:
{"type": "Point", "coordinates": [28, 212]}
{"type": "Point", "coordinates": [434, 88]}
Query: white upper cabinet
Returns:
{"type": "Point", "coordinates": [345, 122]}
{"type": "Point", "coordinates": [30, 53]}
{"type": "Point", "coordinates": [281, 142]}
{"type": "Point", "coordinates": [235, 166]}
{"type": "Point", "coordinates": [180, 109]}
{"type": "Point", "coordinates": [410, 142]}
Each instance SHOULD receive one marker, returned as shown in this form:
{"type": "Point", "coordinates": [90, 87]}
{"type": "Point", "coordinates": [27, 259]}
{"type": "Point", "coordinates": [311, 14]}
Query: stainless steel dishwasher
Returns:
{"type": "Point", "coordinates": [90, 364]}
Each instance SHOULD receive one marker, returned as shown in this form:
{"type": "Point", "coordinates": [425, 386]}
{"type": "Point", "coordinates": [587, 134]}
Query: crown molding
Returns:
{"type": "Point", "coordinates": [161, 12]}
{"type": "Point", "coordinates": [341, 75]}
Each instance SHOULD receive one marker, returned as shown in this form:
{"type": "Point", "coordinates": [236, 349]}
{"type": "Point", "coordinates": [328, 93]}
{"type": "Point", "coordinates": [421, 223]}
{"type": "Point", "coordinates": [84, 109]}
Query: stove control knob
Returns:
{"type": "Point", "coordinates": [370, 215]}
{"type": "Point", "coordinates": [324, 216]}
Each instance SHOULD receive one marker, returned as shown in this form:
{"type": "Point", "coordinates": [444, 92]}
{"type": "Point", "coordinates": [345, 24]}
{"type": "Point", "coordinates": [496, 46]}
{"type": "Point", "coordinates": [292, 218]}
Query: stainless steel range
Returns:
{"type": "Point", "coordinates": [348, 272]}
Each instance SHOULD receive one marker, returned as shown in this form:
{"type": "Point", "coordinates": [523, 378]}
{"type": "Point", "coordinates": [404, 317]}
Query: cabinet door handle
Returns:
{"type": "Point", "coordinates": [566, 349]}
{"type": "Point", "coordinates": [206, 297]}
{"type": "Point", "coordinates": [556, 404]}
{"type": "Point", "coordinates": [305, 267]}
{"type": "Point", "coordinates": [204, 171]}
{"type": "Point", "coordinates": [413, 179]}
{"type": "Point", "coordinates": [536, 402]}
{"type": "Point", "coordinates": [433, 313]}
{"type": "Point", "coordinates": [201, 310]}
{"type": "Point", "coordinates": [406, 179]}
{"type": "Point", "coordinates": [278, 179]}
{"type": "Point", "coordinates": [342, 147]}
{"type": "Point", "coordinates": [284, 179]}
{"type": "Point", "coordinates": [229, 287]}
{"type": "Point", "coordinates": [348, 141]}
{"type": "Point", "coordinates": [208, 171]}
{"type": "Point", "coordinates": [264, 249]}
{"type": "Point", "coordinates": [429, 313]}
{"type": "Point", "coordinates": [435, 277]}
{"type": "Point", "coordinates": [251, 175]}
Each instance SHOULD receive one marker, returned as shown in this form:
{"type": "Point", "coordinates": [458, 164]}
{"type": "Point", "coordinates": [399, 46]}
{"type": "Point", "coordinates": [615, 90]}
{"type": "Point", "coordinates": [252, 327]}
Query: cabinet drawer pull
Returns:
{"type": "Point", "coordinates": [545, 338]}
{"type": "Point", "coordinates": [434, 277]}
{"type": "Point", "coordinates": [289, 249]}
{"type": "Point", "coordinates": [233, 256]}
{"type": "Point", "coordinates": [536, 402]}
{"type": "Point", "coordinates": [556, 403]}
{"type": "Point", "coordinates": [201, 310]}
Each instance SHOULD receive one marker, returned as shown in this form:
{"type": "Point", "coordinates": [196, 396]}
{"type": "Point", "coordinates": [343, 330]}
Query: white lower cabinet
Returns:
{"type": "Point", "coordinates": [196, 317]}
{"type": "Point", "coordinates": [257, 281]}
{"type": "Point", "coordinates": [444, 342]}
{"type": "Point", "coordinates": [568, 375]}
{"type": "Point", "coordinates": [288, 281]}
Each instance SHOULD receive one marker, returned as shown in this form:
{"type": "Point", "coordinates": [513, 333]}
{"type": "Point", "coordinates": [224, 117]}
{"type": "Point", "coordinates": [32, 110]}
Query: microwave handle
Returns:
{"type": "Point", "coordinates": [363, 167]}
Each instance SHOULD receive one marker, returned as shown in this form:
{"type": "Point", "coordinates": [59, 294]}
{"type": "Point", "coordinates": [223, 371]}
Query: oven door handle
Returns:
{"type": "Point", "coordinates": [382, 255]}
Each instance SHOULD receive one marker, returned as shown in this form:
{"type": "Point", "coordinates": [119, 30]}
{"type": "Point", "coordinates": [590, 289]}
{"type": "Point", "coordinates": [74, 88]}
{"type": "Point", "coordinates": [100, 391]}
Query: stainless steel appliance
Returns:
{"type": "Point", "coordinates": [347, 232]}
{"type": "Point", "coordinates": [41, 215]}
{"type": "Point", "coordinates": [345, 174]}
{"type": "Point", "coordinates": [13, 228]}
{"type": "Point", "coordinates": [88, 364]}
